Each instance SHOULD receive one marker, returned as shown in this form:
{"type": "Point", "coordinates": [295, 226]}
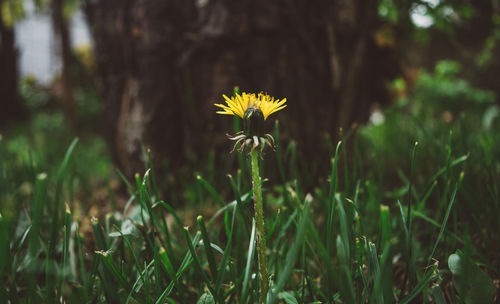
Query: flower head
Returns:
{"type": "Point", "coordinates": [239, 104]}
{"type": "Point", "coordinates": [253, 109]}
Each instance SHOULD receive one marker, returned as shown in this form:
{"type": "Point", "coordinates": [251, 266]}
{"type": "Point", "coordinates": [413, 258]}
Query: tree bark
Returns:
{"type": "Point", "coordinates": [63, 44]}
{"type": "Point", "coordinates": [12, 108]}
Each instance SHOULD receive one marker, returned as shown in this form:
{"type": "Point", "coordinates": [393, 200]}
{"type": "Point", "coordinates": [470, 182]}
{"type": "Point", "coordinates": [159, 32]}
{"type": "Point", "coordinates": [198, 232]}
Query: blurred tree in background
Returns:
{"type": "Point", "coordinates": [160, 65]}
{"type": "Point", "coordinates": [419, 76]}
{"type": "Point", "coordinates": [12, 107]}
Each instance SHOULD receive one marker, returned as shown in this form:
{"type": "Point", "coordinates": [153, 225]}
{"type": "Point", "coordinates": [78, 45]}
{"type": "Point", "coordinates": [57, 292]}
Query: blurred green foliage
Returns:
{"type": "Point", "coordinates": [451, 120]}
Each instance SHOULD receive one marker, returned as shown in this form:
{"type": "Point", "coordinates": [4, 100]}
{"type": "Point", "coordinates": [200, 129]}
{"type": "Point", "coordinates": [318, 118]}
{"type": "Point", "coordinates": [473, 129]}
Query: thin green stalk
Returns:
{"type": "Point", "coordinates": [410, 265]}
{"type": "Point", "coordinates": [259, 219]}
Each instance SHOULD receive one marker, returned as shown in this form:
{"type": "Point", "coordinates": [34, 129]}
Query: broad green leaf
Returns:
{"type": "Point", "coordinates": [471, 283]}
{"type": "Point", "coordinates": [288, 297]}
{"type": "Point", "coordinates": [206, 298]}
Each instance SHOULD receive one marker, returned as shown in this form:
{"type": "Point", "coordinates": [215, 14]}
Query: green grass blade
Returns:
{"type": "Point", "coordinates": [207, 246]}
{"type": "Point", "coordinates": [167, 263]}
{"type": "Point", "coordinates": [444, 169]}
{"type": "Point", "coordinates": [139, 282]}
{"type": "Point", "coordinates": [197, 263]}
{"type": "Point", "coordinates": [292, 253]}
{"type": "Point", "coordinates": [131, 249]}
{"type": "Point", "coordinates": [109, 263]}
{"type": "Point", "coordinates": [424, 281]}
{"type": "Point", "coordinates": [344, 230]}
{"type": "Point", "coordinates": [81, 260]}
{"type": "Point", "coordinates": [66, 238]}
{"type": "Point", "coordinates": [125, 180]}
{"type": "Point", "coordinates": [437, 295]}
{"type": "Point", "coordinates": [377, 294]}
{"type": "Point", "coordinates": [211, 190]}
{"type": "Point", "coordinates": [248, 267]}
{"type": "Point", "coordinates": [225, 256]}
{"type": "Point", "coordinates": [280, 162]}
{"type": "Point", "coordinates": [410, 270]}
{"type": "Point", "coordinates": [385, 227]}
{"type": "Point", "coordinates": [99, 235]}
{"type": "Point", "coordinates": [445, 220]}
{"type": "Point", "coordinates": [331, 211]}
{"type": "Point", "coordinates": [59, 182]}
{"type": "Point", "coordinates": [237, 194]}
{"type": "Point", "coordinates": [4, 247]}
{"type": "Point", "coordinates": [186, 262]}
{"type": "Point", "coordinates": [345, 282]}
{"type": "Point", "coordinates": [153, 177]}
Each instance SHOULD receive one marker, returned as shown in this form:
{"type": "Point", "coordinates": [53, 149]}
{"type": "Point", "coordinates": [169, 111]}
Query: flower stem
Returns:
{"type": "Point", "coordinates": [259, 219]}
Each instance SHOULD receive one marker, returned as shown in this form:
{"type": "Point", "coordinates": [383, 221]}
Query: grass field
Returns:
{"type": "Point", "coordinates": [408, 213]}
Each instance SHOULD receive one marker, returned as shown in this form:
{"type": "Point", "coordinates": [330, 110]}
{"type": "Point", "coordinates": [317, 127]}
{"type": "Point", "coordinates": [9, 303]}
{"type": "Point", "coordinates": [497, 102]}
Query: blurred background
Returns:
{"type": "Point", "coordinates": [138, 79]}
{"type": "Point", "coordinates": [131, 75]}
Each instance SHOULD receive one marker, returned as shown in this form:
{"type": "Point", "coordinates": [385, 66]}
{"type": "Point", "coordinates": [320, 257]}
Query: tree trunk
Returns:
{"type": "Point", "coordinates": [12, 108]}
{"type": "Point", "coordinates": [63, 45]}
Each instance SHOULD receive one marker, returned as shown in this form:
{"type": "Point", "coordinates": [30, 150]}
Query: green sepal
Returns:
{"type": "Point", "coordinates": [253, 122]}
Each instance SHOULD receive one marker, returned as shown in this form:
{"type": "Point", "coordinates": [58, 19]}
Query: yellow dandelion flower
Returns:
{"type": "Point", "coordinates": [239, 104]}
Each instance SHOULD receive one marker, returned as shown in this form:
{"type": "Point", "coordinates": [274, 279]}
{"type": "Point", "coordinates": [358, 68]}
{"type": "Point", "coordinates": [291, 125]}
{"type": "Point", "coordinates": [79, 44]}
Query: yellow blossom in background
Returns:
{"type": "Point", "coordinates": [239, 104]}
